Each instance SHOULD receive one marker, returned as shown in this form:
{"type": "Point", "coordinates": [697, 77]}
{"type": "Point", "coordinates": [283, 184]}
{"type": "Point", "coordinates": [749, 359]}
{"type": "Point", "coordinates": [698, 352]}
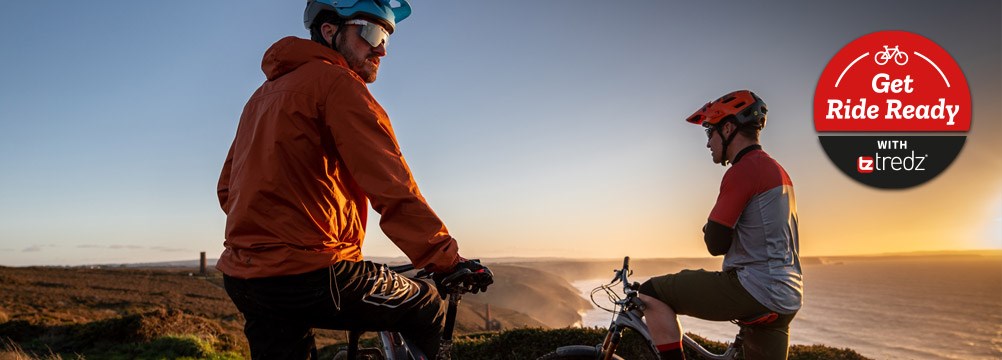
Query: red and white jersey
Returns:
{"type": "Point", "coordinates": [756, 199]}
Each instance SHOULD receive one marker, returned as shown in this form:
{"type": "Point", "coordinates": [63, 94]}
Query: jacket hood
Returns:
{"type": "Point", "coordinates": [291, 52]}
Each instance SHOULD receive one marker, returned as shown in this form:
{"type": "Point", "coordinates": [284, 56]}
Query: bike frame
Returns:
{"type": "Point", "coordinates": [396, 347]}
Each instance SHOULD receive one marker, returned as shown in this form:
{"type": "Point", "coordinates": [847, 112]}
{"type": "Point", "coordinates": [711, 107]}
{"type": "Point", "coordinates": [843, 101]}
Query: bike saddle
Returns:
{"type": "Point", "coordinates": [760, 319]}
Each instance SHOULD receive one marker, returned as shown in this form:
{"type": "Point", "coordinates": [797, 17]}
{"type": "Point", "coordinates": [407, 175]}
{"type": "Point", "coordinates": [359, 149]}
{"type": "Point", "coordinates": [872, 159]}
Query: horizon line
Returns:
{"type": "Point", "coordinates": [977, 252]}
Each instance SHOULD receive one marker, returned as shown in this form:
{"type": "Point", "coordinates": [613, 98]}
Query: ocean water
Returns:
{"type": "Point", "coordinates": [887, 309]}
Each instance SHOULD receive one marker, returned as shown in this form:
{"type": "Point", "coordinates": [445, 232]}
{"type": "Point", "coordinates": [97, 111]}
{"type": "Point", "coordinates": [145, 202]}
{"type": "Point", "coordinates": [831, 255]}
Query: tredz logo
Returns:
{"type": "Point", "coordinates": [869, 164]}
{"type": "Point", "coordinates": [864, 164]}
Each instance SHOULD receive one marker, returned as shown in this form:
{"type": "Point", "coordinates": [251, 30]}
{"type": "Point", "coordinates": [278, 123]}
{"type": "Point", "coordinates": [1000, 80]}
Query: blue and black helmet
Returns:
{"type": "Point", "coordinates": [389, 12]}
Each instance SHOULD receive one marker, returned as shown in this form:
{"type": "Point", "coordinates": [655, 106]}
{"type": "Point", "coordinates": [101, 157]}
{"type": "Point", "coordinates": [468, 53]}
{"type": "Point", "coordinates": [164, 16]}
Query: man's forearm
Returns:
{"type": "Point", "coordinates": [717, 237]}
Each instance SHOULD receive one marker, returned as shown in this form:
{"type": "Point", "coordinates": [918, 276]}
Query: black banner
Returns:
{"type": "Point", "coordinates": [892, 162]}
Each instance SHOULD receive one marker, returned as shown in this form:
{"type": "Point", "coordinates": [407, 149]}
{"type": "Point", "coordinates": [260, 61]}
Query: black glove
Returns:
{"type": "Point", "coordinates": [469, 276]}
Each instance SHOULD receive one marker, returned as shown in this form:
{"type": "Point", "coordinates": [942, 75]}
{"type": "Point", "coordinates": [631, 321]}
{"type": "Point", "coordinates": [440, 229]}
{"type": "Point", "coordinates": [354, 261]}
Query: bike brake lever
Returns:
{"type": "Point", "coordinates": [615, 277]}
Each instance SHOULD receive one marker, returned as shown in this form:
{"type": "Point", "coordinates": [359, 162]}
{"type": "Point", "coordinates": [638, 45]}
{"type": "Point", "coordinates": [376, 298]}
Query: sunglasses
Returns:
{"type": "Point", "coordinates": [373, 33]}
{"type": "Point", "coordinates": [709, 130]}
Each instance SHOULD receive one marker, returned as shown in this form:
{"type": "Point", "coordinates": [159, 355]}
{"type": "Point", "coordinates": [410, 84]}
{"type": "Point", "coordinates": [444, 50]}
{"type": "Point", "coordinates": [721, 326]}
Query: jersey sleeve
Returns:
{"type": "Point", "coordinates": [736, 189]}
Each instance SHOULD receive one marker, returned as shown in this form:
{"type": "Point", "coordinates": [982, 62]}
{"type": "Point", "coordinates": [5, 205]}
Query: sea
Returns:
{"type": "Point", "coordinates": [883, 309]}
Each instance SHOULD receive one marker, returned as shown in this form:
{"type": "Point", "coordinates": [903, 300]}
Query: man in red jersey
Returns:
{"type": "Point", "coordinates": [754, 225]}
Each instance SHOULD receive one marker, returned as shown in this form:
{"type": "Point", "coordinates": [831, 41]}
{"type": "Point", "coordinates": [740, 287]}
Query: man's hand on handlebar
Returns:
{"type": "Point", "coordinates": [468, 276]}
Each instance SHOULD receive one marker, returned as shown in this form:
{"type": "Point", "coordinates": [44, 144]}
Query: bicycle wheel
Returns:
{"type": "Point", "coordinates": [575, 352]}
{"type": "Point", "coordinates": [881, 58]}
{"type": "Point", "coordinates": [901, 58]}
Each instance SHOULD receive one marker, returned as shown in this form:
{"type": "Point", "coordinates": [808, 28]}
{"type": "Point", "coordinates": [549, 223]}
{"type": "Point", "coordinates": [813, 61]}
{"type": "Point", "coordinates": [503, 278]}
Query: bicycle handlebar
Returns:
{"type": "Point", "coordinates": [621, 274]}
{"type": "Point", "coordinates": [451, 279]}
{"type": "Point", "coordinates": [456, 282]}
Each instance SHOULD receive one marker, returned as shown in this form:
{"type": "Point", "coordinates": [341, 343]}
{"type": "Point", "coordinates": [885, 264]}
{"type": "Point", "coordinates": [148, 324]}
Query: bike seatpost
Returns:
{"type": "Point", "coordinates": [450, 317]}
{"type": "Point", "coordinates": [353, 336]}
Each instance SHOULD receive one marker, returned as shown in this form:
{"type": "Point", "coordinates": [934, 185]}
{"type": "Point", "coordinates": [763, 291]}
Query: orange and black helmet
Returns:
{"type": "Point", "coordinates": [742, 106]}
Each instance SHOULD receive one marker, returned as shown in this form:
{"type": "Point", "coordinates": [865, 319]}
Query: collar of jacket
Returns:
{"type": "Point", "coordinates": [291, 52]}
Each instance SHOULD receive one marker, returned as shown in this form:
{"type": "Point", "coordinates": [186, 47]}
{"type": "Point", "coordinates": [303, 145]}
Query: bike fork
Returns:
{"type": "Point", "coordinates": [611, 342]}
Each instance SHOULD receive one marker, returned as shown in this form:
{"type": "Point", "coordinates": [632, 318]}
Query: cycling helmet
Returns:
{"type": "Point", "coordinates": [742, 106]}
{"type": "Point", "coordinates": [389, 12]}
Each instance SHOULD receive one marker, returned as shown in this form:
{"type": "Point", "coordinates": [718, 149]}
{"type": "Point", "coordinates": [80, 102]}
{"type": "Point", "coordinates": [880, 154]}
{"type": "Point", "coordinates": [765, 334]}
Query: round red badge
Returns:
{"type": "Point", "coordinates": [892, 81]}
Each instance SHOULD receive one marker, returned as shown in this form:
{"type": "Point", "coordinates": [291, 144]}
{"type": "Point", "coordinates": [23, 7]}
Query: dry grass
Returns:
{"type": "Point", "coordinates": [40, 306]}
{"type": "Point", "coordinates": [10, 350]}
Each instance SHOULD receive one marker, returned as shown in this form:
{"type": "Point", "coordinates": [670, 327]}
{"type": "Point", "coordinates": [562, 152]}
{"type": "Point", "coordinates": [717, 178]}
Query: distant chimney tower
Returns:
{"type": "Point", "coordinates": [487, 324]}
{"type": "Point", "coordinates": [201, 265]}
{"type": "Point", "coordinates": [491, 324]}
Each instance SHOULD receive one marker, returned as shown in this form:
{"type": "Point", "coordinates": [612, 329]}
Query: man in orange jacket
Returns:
{"type": "Point", "coordinates": [312, 149]}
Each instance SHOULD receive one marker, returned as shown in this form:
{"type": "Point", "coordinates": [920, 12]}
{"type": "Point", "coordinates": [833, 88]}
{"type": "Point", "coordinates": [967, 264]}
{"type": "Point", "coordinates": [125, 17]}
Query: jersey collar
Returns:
{"type": "Point", "coordinates": [744, 151]}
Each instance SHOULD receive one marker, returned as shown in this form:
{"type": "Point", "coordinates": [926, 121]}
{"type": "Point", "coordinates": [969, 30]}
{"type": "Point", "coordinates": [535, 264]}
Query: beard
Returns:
{"type": "Point", "coordinates": [718, 158]}
{"type": "Point", "coordinates": [365, 65]}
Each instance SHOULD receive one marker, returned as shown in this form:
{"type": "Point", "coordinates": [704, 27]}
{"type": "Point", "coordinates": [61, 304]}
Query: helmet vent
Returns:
{"type": "Point", "coordinates": [739, 105]}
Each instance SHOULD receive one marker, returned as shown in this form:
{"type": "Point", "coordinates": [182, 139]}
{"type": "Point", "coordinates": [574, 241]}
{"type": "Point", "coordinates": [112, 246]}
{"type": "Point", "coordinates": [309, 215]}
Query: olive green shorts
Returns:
{"type": "Point", "coordinates": [719, 296]}
{"type": "Point", "coordinates": [709, 295]}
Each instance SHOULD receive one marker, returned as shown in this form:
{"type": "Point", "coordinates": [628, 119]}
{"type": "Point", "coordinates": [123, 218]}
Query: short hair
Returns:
{"type": "Point", "coordinates": [751, 131]}
{"type": "Point", "coordinates": [324, 17]}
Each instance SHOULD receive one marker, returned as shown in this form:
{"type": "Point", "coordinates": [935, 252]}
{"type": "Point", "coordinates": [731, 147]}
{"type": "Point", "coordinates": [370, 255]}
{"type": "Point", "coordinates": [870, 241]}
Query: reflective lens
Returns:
{"type": "Point", "coordinates": [372, 33]}
{"type": "Point", "coordinates": [709, 131]}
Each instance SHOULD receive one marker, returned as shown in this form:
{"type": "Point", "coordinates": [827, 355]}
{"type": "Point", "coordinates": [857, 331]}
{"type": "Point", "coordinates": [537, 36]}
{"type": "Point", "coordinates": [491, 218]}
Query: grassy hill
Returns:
{"type": "Point", "coordinates": [175, 335]}
{"type": "Point", "coordinates": [541, 295]}
{"type": "Point", "coordinates": [41, 306]}
{"type": "Point", "coordinates": [129, 313]}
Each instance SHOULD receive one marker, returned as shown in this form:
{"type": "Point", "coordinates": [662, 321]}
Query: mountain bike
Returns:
{"type": "Point", "coordinates": [630, 315]}
{"type": "Point", "coordinates": [395, 346]}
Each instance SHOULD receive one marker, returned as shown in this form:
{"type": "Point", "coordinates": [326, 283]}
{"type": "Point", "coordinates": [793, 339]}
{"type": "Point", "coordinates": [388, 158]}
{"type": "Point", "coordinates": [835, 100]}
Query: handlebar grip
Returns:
{"type": "Point", "coordinates": [626, 263]}
{"type": "Point", "coordinates": [456, 275]}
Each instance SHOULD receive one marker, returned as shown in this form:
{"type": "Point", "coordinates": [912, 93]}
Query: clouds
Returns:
{"type": "Point", "coordinates": [37, 248]}
{"type": "Point", "coordinates": [133, 247]}
{"type": "Point", "coordinates": [41, 252]}
{"type": "Point", "coordinates": [33, 248]}
{"type": "Point", "coordinates": [42, 247]}
{"type": "Point", "coordinates": [113, 247]}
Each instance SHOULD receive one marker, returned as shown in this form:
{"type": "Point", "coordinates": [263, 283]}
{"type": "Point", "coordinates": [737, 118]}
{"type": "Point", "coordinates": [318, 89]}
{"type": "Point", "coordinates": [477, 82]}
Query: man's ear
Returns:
{"type": "Point", "coordinates": [327, 30]}
{"type": "Point", "coordinates": [729, 128]}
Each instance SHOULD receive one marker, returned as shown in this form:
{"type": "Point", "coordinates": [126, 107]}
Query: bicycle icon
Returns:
{"type": "Point", "coordinates": [882, 57]}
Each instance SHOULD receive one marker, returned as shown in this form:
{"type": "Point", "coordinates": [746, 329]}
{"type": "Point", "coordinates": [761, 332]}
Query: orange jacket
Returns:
{"type": "Point", "coordinates": [311, 148]}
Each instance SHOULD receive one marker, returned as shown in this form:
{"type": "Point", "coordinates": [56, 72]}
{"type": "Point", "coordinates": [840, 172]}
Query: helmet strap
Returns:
{"type": "Point", "coordinates": [333, 43]}
{"type": "Point", "coordinates": [726, 141]}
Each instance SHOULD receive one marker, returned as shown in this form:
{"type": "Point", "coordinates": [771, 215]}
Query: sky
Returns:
{"type": "Point", "coordinates": [533, 128]}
